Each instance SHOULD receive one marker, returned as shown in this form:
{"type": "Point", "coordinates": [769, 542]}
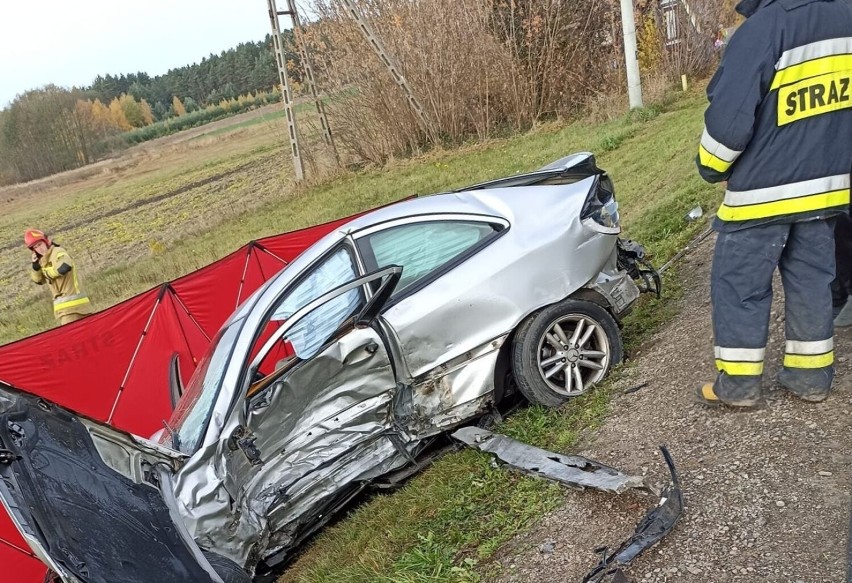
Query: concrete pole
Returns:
{"type": "Point", "coordinates": [298, 32]}
{"type": "Point", "coordinates": [634, 83]}
{"type": "Point", "coordinates": [286, 93]}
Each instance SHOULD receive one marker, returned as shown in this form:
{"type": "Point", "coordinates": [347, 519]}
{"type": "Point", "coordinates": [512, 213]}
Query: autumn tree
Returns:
{"type": "Point", "coordinates": [117, 117]}
{"type": "Point", "coordinates": [132, 110]}
{"type": "Point", "coordinates": [178, 107]}
{"type": "Point", "coordinates": [147, 113]}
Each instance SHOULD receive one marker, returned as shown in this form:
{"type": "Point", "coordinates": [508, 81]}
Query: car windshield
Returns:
{"type": "Point", "coordinates": [192, 414]}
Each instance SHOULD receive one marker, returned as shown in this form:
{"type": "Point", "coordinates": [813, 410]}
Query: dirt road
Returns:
{"type": "Point", "coordinates": [767, 492]}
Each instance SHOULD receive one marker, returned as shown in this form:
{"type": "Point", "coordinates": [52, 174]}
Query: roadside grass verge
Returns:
{"type": "Point", "coordinates": [447, 523]}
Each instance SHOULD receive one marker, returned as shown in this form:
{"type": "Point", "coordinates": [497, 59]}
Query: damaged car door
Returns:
{"type": "Point", "coordinates": [444, 348]}
{"type": "Point", "coordinates": [318, 406]}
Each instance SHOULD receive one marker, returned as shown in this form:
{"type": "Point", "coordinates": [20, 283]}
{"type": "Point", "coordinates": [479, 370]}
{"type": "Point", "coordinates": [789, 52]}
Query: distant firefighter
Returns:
{"type": "Point", "coordinates": [52, 265]}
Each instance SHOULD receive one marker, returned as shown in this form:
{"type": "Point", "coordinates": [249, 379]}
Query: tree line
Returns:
{"type": "Point", "coordinates": [52, 129]}
{"type": "Point", "coordinates": [247, 68]}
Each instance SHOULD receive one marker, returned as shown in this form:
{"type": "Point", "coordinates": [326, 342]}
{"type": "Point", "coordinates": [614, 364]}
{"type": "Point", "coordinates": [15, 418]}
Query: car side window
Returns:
{"type": "Point", "coordinates": [422, 248]}
{"type": "Point", "coordinates": [316, 327]}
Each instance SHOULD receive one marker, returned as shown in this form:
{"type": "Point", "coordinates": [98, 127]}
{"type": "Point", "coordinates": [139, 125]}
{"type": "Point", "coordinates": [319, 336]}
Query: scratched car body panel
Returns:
{"type": "Point", "coordinates": [387, 332]}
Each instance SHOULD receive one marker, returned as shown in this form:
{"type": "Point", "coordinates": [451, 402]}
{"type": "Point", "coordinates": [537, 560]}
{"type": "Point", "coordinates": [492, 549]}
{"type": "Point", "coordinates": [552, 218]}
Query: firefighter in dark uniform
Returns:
{"type": "Point", "coordinates": [779, 130]}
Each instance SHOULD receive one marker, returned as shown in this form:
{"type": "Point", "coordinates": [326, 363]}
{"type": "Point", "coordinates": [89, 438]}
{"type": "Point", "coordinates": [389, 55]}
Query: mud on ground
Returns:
{"type": "Point", "coordinates": [767, 492]}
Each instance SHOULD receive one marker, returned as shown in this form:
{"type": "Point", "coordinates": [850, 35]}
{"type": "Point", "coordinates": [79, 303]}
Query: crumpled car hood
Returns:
{"type": "Point", "coordinates": [91, 522]}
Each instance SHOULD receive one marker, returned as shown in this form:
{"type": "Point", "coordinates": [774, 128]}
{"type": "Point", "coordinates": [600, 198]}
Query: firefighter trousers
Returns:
{"type": "Point", "coordinates": [741, 293]}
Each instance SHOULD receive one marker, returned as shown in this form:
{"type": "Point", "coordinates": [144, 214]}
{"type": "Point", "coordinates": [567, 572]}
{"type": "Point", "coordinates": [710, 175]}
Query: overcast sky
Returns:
{"type": "Point", "coordinates": [69, 42]}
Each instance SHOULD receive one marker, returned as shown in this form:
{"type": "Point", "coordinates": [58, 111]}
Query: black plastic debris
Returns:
{"type": "Point", "coordinates": [635, 388]}
{"type": "Point", "coordinates": [657, 523]}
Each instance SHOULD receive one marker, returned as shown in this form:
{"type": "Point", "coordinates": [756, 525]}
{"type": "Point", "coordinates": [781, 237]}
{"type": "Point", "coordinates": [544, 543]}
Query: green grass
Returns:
{"type": "Point", "coordinates": [446, 524]}
{"type": "Point", "coordinates": [266, 118]}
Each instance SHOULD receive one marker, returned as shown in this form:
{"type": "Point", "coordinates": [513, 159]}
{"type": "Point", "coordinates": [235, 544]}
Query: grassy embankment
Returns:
{"type": "Point", "coordinates": [234, 186]}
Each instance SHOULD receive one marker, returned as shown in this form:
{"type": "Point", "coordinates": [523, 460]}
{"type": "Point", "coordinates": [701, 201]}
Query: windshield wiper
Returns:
{"type": "Point", "coordinates": [173, 434]}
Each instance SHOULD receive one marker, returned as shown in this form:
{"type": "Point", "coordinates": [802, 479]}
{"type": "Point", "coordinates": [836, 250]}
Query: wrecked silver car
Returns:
{"type": "Point", "coordinates": [408, 321]}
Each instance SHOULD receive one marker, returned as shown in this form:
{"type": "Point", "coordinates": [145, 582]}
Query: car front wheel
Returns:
{"type": "Point", "coordinates": [565, 349]}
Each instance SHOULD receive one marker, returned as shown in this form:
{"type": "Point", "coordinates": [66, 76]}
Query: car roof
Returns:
{"type": "Point", "coordinates": [497, 198]}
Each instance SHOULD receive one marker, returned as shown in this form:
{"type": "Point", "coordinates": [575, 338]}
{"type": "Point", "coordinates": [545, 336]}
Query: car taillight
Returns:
{"type": "Point", "coordinates": [600, 212]}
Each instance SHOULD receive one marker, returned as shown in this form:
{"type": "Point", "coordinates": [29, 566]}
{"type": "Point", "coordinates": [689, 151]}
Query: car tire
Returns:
{"type": "Point", "coordinates": [553, 361]}
{"type": "Point", "coordinates": [227, 569]}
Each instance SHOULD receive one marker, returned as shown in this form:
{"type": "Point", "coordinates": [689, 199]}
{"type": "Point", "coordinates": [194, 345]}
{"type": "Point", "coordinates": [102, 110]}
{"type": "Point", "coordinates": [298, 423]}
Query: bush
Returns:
{"type": "Point", "coordinates": [479, 67]}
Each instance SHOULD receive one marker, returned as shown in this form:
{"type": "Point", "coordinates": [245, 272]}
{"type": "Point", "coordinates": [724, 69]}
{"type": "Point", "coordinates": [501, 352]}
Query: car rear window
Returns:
{"type": "Point", "coordinates": [423, 248]}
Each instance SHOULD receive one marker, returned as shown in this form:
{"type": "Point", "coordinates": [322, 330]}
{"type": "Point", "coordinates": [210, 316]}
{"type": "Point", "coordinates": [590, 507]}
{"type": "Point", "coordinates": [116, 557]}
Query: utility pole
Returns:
{"type": "Point", "coordinates": [390, 63]}
{"type": "Point", "coordinates": [286, 93]}
{"type": "Point", "coordinates": [308, 68]}
{"type": "Point", "coordinates": [628, 26]}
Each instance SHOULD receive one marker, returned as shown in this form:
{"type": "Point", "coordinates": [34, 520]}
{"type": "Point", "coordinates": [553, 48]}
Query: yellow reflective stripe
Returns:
{"type": "Point", "coordinates": [808, 69]}
{"type": "Point", "coordinates": [789, 190]}
{"type": "Point", "coordinates": [813, 202]}
{"type": "Point", "coordinates": [739, 368]}
{"type": "Point", "coordinates": [70, 304]}
{"type": "Point", "coordinates": [710, 161]}
{"type": "Point", "coordinates": [809, 360]}
{"type": "Point", "coordinates": [815, 96]}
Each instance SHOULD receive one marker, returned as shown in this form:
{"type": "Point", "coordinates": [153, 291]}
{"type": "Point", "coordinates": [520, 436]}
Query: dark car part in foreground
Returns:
{"type": "Point", "coordinates": [70, 500]}
{"type": "Point", "coordinates": [580, 472]}
{"type": "Point", "coordinates": [569, 470]}
{"type": "Point", "coordinates": [657, 523]}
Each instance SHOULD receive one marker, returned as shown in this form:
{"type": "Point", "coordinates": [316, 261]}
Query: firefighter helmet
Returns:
{"type": "Point", "coordinates": [33, 236]}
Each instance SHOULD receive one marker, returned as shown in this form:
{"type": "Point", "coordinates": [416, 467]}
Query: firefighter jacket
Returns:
{"type": "Point", "coordinates": [57, 270]}
{"type": "Point", "coordinates": [779, 124]}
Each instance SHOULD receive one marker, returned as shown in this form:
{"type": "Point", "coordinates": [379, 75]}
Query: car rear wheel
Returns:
{"type": "Point", "coordinates": [227, 570]}
{"type": "Point", "coordinates": [565, 349]}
